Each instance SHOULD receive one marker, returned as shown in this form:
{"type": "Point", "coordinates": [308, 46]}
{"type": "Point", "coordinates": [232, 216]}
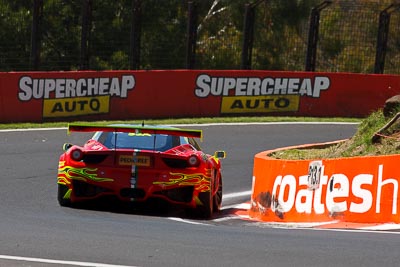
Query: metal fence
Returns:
{"type": "Point", "coordinates": [348, 38]}
{"type": "Point", "coordinates": [331, 36]}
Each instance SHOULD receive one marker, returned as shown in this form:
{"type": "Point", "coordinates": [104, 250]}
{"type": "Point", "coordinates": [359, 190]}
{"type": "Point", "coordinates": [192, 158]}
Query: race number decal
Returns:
{"type": "Point", "coordinates": [314, 174]}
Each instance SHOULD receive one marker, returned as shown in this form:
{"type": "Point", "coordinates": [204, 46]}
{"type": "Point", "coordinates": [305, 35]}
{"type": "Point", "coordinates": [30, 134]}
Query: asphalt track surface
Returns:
{"type": "Point", "coordinates": [36, 231]}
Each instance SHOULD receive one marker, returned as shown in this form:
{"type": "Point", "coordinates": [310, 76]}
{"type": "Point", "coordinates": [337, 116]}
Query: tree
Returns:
{"type": "Point", "coordinates": [15, 25]}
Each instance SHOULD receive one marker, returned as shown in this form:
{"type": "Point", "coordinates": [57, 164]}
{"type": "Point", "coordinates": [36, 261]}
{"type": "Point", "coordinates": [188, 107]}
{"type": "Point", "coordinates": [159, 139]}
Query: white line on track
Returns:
{"type": "Point", "coordinates": [225, 196]}
{"type": "Point", "coordinates": [74, 263]}
{"type": "Point", "coordinates": [383, 227]}
{"type": "Point", "coordinates": [350, 230]}
{"type": "Point", "coordinates": [242, 206]}
{"type": "Point", "coordinates": [237, 194]}
{"type": "Point", "coordinates": [203, 124]}
{"type": "Point", "coordinates": [292, 225]}
{"type": "Point", "coordinates": [267, 123]}
{"type": "Point", "coordinates": [186, 221]}
{"type": "Point", "coordinates": [32, 129]}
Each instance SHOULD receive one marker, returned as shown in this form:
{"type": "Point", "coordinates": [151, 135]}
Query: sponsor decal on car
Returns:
{"type": "Point", "coordinates": [260, 95]}
{"type": "Point", "coordinates": [128, 160]}
{"type": "Point", "coordinates": [64, 97]}
{"type": "Point", "coordinates": [67, 173]}
{"type": "Point", "coordinates": [199, 180]}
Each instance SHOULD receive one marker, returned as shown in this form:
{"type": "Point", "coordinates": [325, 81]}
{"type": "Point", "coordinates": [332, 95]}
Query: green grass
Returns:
{"type": "Point", "coordinates": [185, 121]}
{"type": "Point", "coordinates": [359, 145]}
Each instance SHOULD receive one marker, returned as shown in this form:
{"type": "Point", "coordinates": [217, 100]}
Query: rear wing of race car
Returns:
{"type": "Point", "coordinates": [135, 129]}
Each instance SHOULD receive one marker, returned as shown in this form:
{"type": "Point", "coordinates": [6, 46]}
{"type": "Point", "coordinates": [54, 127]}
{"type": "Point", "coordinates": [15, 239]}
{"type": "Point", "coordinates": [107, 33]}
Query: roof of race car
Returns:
{"type": "Point", "coordinates": [127, 128]}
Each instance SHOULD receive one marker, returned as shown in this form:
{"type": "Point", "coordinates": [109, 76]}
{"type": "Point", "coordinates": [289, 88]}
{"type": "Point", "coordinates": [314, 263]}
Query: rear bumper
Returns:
{"type": "Point", "coordinates": [180, 195]}
{"type": "Point", "coordinates": [88, 183]}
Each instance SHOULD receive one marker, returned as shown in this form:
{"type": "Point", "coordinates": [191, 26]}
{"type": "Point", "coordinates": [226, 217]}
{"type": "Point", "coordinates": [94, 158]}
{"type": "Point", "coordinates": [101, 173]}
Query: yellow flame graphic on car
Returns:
{"type": "Point", "coordinates": [199, 180]}
{"type": "Point", "coordinates": [67, 173]}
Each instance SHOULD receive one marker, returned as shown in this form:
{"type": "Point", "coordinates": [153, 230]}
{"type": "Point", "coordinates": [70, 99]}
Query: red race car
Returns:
{"type": "Point", "coordinates": [136, 163]}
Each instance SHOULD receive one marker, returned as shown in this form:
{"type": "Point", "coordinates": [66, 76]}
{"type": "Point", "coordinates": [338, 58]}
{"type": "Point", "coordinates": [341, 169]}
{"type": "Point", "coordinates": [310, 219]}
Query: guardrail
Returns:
{"type": "Point", "coordinates": [358, 189]}
{"type": "Point", "coordinates": [124, 95]}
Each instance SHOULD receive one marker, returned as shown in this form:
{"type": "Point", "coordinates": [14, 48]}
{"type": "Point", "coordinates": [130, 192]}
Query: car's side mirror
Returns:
{"type": "Point", "coordinates": [220, 154]}
{"type": "Point", "coordinates": [67, 146]}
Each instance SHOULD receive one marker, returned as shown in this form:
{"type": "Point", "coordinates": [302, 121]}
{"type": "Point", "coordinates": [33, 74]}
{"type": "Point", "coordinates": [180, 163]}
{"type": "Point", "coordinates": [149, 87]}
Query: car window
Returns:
{"type": "Point", "coordinates": [193, 143]}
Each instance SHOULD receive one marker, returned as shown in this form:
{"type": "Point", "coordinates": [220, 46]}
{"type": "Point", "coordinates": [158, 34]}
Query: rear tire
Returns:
{"type": "Point", "coordinates": [217, 199]}
{"type": "Point", "coordinates": [62, 190]}
{"type": "Point", "coordinates": [204, 210]}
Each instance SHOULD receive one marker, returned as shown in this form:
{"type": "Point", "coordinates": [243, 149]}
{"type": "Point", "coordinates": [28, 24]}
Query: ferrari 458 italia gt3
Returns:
{"type": "Point", "coordinates": [136, 163]}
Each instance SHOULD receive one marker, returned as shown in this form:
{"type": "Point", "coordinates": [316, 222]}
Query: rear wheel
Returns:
{"type": "Point", "coordinates": [63, 199]}
{"type": "Point", "coordinates": [217, 199]}
{"type": "Point", "coordinates": [205, 208]}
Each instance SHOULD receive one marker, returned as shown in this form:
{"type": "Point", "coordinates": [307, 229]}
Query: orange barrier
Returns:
{"type": "Point", "coordinates": [357, 189]}
{"type": "Point", "coordinates": [123, 95]}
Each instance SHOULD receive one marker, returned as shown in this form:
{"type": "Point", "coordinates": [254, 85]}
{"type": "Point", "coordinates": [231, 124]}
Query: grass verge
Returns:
{"type": "Point", "coordinates": [184, 121]}
{"type": "Point", "coordinates": [359, 145]}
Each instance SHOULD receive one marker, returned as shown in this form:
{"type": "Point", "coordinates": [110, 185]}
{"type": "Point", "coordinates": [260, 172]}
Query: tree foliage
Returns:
{"type": "Point", "coordinates": [280, 35]}
{"type": "Point", "coordinates": [15, 24]}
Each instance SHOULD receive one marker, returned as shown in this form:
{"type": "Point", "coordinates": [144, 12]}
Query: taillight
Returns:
{"type": "Point", "coordinates": [193, 161]}
{"type": "Point", "coordinates": [76, 154]}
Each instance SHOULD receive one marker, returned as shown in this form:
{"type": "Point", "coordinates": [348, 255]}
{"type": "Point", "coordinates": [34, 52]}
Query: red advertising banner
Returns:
{"type": "Point", "coordinates": [120, 95]}
{"type": "Point", "coordinates": [359, 189]}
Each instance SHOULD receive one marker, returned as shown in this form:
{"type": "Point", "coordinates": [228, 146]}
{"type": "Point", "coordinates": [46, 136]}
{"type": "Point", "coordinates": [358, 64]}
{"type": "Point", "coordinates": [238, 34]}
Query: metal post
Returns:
{"type": "Point", "coordinates": [382, 39]}
{"type": "Point", "coordinates": [85, 34]}
{"type": "Point", "coordinates": [248, 34]}
{"type": "Point", "coordinates": [35, 37]}
{"type": "Point", "coordinates": [135, 34]}
{"type": "Point", "coordinates": [248, 37]}
{"type": "Point", "coordinates": [313, 33]}
{"type": "Point", "coordinates": [191, 36]}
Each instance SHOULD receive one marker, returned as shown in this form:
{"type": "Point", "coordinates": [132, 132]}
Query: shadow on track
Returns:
{"type": "Point", "coordinates": [152, 207]}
